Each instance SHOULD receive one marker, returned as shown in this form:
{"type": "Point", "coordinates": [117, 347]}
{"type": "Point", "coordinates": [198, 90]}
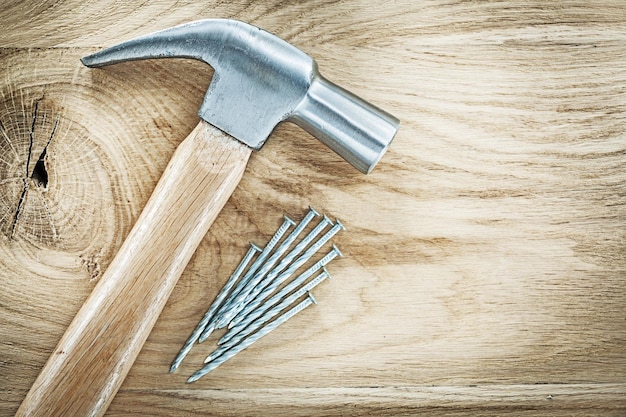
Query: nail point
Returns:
{"type": "Point", "coordinates": [206, 333]}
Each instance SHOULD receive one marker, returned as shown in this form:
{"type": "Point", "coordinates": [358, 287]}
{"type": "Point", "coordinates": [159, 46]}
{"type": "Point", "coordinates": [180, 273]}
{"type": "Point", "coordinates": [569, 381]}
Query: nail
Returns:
{"type": "Point", "coordinates": [250, 324]}
{"type": "Point", "coordinates": [242, 298]}
{"type": "Point", "coordinates": [287, 260]}
{"type": "Point", "coordinates": [279, 252]}
{"type": "Point", "coordinates": [233, 301]}
{"type": "Point", "coordinates": [214, 306]}
{"type": "Point", "coordinates": [253, 338]}
{"type": "Point", "coordinates": [210, 323]}
{"type": "Point", "coordinates": [252, 310]}
{"type": "Point", "coordinates": [276, 282]}
{"type": "Point", "coordinates": [257, 263]}
{"type": "Point", "coordinates": [284, 263]}
{"type": "Point", "coordinates": [258, 324]}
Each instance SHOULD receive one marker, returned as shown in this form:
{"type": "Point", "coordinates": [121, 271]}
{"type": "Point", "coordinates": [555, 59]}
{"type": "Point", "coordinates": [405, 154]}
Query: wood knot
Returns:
{"type": "Point", "coordinates": [47, 193]}
{"type": "Point", "coordinates": [28, 129]}
{"type": "Point", "coordinates": [92, 264]}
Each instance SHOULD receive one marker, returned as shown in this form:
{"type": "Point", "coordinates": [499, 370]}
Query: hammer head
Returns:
{"type": "Point", "coordinates": [261, 80]}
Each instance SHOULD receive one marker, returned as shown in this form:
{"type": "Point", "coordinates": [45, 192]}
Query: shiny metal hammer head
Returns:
{"type": "Point", "coordinates": [261, 80]}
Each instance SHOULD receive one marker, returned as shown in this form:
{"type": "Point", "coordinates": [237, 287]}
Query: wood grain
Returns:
{"type": "Point", "coordinates": [484, 257]}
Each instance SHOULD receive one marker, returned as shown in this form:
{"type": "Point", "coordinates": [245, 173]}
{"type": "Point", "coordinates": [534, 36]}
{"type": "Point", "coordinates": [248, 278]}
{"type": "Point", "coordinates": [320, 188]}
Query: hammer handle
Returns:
{"type": "Point", "coordinates": [96, 352]}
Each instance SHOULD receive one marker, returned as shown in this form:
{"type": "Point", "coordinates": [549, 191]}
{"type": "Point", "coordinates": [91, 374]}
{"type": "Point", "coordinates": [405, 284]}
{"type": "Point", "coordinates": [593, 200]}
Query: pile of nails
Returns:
{"type": "Point", "coordinates": [257, 298]}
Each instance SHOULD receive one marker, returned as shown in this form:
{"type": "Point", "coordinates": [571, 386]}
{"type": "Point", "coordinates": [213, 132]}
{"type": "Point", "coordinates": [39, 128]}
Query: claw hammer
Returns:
{"type": "Point", "coordinates": [259, 81]}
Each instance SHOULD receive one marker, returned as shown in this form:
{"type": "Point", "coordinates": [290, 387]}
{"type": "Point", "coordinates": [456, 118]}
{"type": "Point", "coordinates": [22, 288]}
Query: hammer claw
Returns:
{"type": "Point", "coordinates": [198, 40]}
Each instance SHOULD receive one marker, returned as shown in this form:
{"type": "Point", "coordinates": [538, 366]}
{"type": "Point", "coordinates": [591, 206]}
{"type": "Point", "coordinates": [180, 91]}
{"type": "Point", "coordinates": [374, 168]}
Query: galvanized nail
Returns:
{"type": "Point", "coordinates": [226, 355]}
{"type": "Point", "coordinates": [252, 310]}
{"type": "Point", "coordinates": [287, 260]}
{"type": "Point", "coordinates": [287, 223]}
{"type": "Point", "coordinates": [214, 306]}
{"type": "Point", "coordinates": [242, 298]}
{"type": "Point", "coordinates": [269, 311]}
{"type": "Point", "coordinates": [275, 282]}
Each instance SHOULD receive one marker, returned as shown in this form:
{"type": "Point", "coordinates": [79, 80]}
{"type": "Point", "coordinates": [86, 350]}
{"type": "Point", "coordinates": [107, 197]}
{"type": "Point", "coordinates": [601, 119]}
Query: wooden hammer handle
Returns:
{"type": "Point", "coordinates": [96, 352]}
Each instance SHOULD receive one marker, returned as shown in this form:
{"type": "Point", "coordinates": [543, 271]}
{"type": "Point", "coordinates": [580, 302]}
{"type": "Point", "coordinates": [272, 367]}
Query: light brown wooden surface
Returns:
{"type": "Point", "coordinates": [484, 258]}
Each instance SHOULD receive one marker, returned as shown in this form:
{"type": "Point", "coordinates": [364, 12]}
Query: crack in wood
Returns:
{"type": "Point", "coordinates": [20, 203]}
{"type": "Point", "coordinates": [39, 174]}
{"type": "Point", "coordinates": [31, 136]}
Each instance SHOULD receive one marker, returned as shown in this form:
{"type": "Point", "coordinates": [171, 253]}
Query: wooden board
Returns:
{"type": "Point", "coordinates": [484, 258]}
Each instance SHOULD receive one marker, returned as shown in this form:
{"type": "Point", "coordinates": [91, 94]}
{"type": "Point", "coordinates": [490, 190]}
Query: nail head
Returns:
{"type": "Point", "coordinates": [338, 223]}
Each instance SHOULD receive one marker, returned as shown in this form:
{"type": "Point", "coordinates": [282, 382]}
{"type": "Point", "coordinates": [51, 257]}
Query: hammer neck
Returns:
{"type": "Point", "coordinates": [356, 130]}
